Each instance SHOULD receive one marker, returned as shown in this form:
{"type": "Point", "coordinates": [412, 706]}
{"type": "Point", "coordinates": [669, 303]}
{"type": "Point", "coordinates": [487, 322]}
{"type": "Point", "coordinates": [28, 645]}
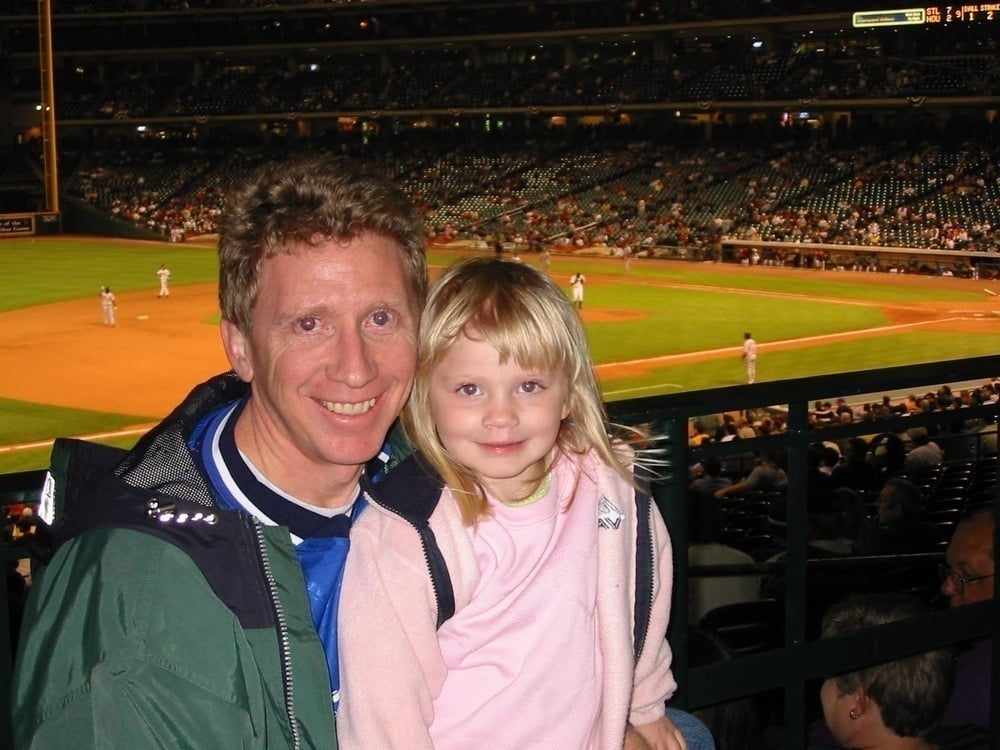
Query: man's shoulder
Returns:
{"type": "Point", "coordinates": [410, 489]}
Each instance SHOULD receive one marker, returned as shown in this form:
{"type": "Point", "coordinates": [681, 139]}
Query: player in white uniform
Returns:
{"type": "Point", "coordinates": [108, 306]}
{"type": "Point", "coordinates": [576, 284]}
{"type": "Point", "coordinates": [750, 357]}
{"type": "Point", "coordinates": [164, 274]}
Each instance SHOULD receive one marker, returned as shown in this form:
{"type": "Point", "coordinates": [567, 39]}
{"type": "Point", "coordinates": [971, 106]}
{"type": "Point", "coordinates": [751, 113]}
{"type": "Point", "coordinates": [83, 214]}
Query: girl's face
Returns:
{"type": "Point", "coordinates": [499, 420]}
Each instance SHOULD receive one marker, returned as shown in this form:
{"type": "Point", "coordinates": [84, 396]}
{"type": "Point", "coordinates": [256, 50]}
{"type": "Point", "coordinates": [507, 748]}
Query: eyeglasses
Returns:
{"type": "Point", "coordinates": [957, 579]}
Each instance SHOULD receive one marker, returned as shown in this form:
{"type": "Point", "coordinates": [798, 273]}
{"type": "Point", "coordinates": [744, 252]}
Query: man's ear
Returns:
{"type": "Point", "coordinates": [237, 347]}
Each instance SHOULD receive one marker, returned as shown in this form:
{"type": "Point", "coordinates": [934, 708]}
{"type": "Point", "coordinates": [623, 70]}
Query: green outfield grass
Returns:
{"type": "Point", "coordinates": [40, 270]}
{"type": "Point", "coordinates": [703, 308]}
{"type": "Point", "coordinates": [681, 320]}
{"type": "Point", "coordinates": [906, 349]}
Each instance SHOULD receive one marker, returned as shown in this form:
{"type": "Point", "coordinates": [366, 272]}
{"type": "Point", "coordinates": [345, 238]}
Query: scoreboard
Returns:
{"type": "Point", "coordinates": [933, 14]}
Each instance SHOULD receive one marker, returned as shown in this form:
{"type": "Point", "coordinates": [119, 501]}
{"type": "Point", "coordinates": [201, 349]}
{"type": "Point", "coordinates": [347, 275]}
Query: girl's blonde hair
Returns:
{"type": "Point", "coordinates": [528, 319]}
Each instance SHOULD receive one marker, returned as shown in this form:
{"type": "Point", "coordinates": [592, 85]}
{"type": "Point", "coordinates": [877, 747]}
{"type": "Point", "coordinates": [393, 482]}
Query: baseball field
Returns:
{"type": "Point", "coordinates": [662, 327]}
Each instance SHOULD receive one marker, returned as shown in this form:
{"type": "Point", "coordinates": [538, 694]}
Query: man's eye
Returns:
{"type": "Point", "coordinates": [308, 324]}
{"type": "Point", "coordinates": [382, 318]}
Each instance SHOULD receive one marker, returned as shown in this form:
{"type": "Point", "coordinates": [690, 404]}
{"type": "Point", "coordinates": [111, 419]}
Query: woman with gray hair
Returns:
{"type": "Point", "coordinates": [888, 706]}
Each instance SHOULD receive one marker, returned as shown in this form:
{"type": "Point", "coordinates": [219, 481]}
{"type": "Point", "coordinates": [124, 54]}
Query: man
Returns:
{"type": "Point", "coordinates": [924, 454]}
{"type": "Point", "coordinates": [576, 285]}
{"type": "Point", "coordinates": [968, 578]}
{"type": "Point", "coordinates": [164, 273]}
{"type": "Point", "coordinates": [193, 599]}
{"type": "Point", "coordinates": [766, 475]}
{"type": "Point", "coordinates": [901, 530]}
{"type": "Point", "coordinates": [749, 357]}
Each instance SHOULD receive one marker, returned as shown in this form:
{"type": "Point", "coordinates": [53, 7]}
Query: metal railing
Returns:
{"type": "Point", "coordinates": [800, 661]}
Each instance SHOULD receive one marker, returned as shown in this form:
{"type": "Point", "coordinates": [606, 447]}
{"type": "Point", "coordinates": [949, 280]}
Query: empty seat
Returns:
{"type": "Point", "coordinates": [747, 627]}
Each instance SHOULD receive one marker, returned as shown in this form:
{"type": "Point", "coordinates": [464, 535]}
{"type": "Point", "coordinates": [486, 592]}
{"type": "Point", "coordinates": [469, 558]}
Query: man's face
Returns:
{"type": "Point", "coordinates": [969, 555]}
{"type": "Point", "coordinates": [330, 353]}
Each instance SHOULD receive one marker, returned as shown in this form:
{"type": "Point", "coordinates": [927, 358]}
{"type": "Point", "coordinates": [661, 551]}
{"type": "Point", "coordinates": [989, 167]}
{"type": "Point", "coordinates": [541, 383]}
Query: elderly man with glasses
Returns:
{"type": "Point", "coordinates": [967, 578]}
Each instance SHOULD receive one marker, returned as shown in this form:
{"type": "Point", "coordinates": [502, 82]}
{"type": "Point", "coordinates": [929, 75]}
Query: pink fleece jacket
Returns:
{"type": "Point", "coordinates": [391, 663]}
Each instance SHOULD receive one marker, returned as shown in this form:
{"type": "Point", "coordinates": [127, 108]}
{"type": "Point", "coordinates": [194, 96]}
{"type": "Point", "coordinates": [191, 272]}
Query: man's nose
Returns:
{"type": "Point", "coordinates": [351, 359]}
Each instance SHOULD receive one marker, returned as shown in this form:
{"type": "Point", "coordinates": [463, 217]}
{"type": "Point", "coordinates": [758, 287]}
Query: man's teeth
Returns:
{"type": "Point", "coordinates": [349, 409]}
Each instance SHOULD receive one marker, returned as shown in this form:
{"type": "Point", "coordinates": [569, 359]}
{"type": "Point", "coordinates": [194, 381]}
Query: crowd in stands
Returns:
{"type": "Point", "coordinates": [925, 490]}
{"type": "Point", "coordinates": [888, 491]}
{"type": "Point", "coordinates": [455, 78]}
{"type": "Point", "coordinates": [601, 190]}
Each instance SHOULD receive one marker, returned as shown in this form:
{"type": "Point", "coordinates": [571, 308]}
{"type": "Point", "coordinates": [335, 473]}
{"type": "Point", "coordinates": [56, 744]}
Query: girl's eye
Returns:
{"type": "Point", "coordinates": [531, 386]}
{"type": "Point", "coordinates": [468, 389]}
{"type": "Point", "coordinates": [308, 324]}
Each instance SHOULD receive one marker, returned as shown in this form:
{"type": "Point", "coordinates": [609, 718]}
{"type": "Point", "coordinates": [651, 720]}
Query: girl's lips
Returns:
{"type": "Point", "coordinates": [501, 447]}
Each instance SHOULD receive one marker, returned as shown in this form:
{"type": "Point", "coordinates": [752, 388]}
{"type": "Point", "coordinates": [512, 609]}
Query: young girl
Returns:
{"type": "Point", "coordinates": [490, 593]}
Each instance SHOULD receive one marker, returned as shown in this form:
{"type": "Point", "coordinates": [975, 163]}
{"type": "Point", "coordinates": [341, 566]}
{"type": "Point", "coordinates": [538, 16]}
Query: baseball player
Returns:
{"type": "Point", "coordinates": [164, 274]}
{"type": "Point", "coordinates": [108, 306]}
{"type": "Point", "coordinates": [750, 357]}
{"type": "Point", "coordinates": [576, 284]}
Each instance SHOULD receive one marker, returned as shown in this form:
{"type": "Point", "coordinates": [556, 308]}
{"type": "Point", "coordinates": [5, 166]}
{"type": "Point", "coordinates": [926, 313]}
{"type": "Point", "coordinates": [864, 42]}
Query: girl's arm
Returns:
{"type": "Point", "coordinates": [653, 681]}
{"type": "Point", "coordinates": [390, 663]}
{"type": "Point", "coordinates": [659, 735]}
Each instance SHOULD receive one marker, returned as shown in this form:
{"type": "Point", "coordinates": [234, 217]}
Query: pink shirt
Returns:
{"type": "Point", "coordinates": [530, 630]}
{"type": "Point", "coordinates": [393, 656]}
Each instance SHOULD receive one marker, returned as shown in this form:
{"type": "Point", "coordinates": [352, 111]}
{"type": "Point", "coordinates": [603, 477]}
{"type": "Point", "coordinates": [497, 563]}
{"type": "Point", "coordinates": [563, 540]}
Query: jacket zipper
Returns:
{"type": "Point", "coordinates": [652, 582]}
{"type": "Point", "coordinates": [423, 547]}
{"type": "Point", "coordinates": [284, 644]}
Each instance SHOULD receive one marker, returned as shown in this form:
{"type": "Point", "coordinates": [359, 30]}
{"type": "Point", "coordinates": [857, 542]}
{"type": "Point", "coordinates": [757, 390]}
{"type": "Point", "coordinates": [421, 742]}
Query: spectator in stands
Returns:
{"type": "Point", "coordinates": [26, 525]}
{"type": "Point", "coordinates": [195, 588]}
{"type": "Point", "coordinates": [842, 409]}
{"type": "Point", "coordinates": [889, 706]}
{"type": "Point", "coordinates": [698, 436]}
{"type": "Point", "coordinates": [968, 577]}
{"type": "Point", "coordinates": [901, 530]}
{"type": "Point", "coordinates": [855, 470]}
{"type": "Point", "coordinates": [823, 414]}
{"type": "Point", "coordinates": [888, 453]}
{"type": "Point", "coordinates": [744, 429]}
{"type": "Point", "coordinates": [843, 529]}
{"type": "Point", "coordinates": [925, 452]}
{"type": "Point", "coordinates": [819, 483]}
{"type": "Point", "coordinates": [709, 479]}
{"type": "Point", "coordinates": [766, 475]}
{"type": "Point", "coordinates": [726, 427]}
